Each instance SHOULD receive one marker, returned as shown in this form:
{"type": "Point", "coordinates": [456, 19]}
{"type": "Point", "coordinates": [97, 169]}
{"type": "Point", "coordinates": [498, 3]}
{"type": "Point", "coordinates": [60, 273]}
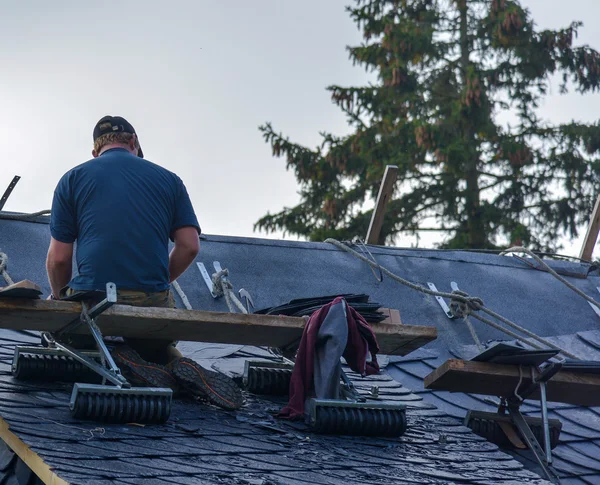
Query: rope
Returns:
{"type": "Point", "coordinates": [364, 249]}
{"type": "Point", "coordinates": [461, 310]}
{"type": "Point", "coordinates": [24, 217]}
{"type": "Point", "coordinates": [223, 287]}
{"type": "Point", "coordinates": [3, 272]}
{"type": "Point", "coordinates": [474, 334]}
{"type": "Point", "coordinates": [466, 309]}
{"type": "Point", "coordinates": [182, 295]}
{"type": "Point", "coordinates": [518, 249]}
{"type": "Point", "coordinates": [89, 432]}
{"type": "Point", "coordinates": [461, 302]}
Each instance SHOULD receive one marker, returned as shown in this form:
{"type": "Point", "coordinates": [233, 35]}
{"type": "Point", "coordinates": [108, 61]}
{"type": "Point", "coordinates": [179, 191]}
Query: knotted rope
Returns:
{"type": "Point", "coordinates": [223, 287]}
{"type": "Point", "coordinates": [462, 309]}
{"type": "Point", "coordinates": [3, 272]}
{"type": "Point", "coordinates": [465, 305]}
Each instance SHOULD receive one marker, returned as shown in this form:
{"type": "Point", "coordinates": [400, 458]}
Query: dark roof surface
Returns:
{"type": "Point", "coordinates": [577, 458]}
{"type": "Point", "coordinates": [204, 445]}
{"type": "Point", "coordinates": [277, 271]}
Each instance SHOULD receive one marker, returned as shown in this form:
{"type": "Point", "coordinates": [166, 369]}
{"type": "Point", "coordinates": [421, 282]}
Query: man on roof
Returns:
{"type": "Point", "coordinates": [122, 210]}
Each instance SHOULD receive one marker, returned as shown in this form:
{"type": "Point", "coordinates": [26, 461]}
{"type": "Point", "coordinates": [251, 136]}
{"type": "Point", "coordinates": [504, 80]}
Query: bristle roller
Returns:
{"type": "Point", "coordinates": [359, 422]}
{"type": "Point", "coordinates": [43, 367]}
{"type": "Point", "coordinates": [268, 380]}
{"type": "Point", "coordinates": [122, 408]}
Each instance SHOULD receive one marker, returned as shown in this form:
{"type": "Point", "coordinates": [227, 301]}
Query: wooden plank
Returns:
{"type": "Point", "coordinates": [22, 289]}
{"type": "Point", "coordinates": [385, 194]}
{"type": "Point", "coordinates": [195, 325]}
{"type": "Point", "coordinates": [591, 236]}
{"type": "Point", "coordinates": [501, 380]}
{"type": "Point", "coordinates": [391, 315]}
{"type": "Point", "coordinates": [29, 457]}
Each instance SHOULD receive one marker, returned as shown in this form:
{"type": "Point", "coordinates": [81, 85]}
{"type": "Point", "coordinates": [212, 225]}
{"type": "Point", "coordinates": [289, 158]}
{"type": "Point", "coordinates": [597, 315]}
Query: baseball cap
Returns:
{"type": "Point", "coordinates": [115, 124]}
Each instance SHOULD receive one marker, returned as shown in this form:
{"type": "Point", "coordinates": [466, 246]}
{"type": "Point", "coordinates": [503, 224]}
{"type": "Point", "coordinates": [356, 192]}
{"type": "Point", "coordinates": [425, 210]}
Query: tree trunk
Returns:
{"type": "Point", "coordinates": [476, 237]}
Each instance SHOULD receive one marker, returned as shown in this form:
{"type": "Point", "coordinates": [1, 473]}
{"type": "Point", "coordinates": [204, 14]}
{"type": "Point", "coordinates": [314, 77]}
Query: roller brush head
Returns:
{"type": "Point", "coordinates": [145, 405]}
{"type": "Point", "coordinates": [51, 367]}
{"type": "Point", "coordinates": [267, 378]}
{"type": "Point", "coordinates": [357, 418]}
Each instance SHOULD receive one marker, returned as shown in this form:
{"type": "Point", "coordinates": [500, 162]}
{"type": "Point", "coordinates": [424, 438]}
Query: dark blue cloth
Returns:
{"type": "Point", "coordinates": [121, 210]}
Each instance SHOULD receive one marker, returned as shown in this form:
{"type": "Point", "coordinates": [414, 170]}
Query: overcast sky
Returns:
{"type": "Point", "coordinates": [195, 78]}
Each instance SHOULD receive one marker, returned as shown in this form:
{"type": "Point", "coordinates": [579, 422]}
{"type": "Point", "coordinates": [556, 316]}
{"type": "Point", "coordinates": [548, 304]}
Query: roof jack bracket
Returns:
{"type": "Point", "coordinates": [8, 191]}
{"type": "Point", "coordinates": [117, 403]}
{"type": "Point", "coordinates": [542, 455]}
{"type": "Point", "coordinates": [594, 307]}
{"type": "Point", "coordinates": [207, 279]}
{"type": "Point", "coordinates": [442, 302]}
{"type": "Point", "coordinates": [112, 374]}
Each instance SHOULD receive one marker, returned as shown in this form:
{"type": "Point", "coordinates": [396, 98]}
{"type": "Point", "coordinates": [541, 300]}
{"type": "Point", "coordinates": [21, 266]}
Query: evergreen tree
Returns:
{"type": "Point", "coordinates": [448, 73]}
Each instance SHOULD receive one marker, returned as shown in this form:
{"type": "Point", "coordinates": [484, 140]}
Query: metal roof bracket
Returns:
{"type": "Point", "coordinates": [442, 302]}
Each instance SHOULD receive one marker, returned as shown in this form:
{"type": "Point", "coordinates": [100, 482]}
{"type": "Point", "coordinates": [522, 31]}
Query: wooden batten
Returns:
{"type": "Point", "coordinates": [393, 337]}
{"type": "Point", "coordinates": [501, 380]}
{"type": "Point", "coordinates": [386, 190]}
{"type": "Point", "coordinates": [29, 457]}
{"type": "Point", "coordinates": [591, 235]}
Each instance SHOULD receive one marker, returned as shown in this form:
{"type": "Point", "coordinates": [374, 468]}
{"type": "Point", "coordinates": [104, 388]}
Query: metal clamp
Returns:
{"type": "Point", "coordinates": [110, 300]}
{"type": "Point", "coordinates": [349, 391]}
{"type": "Point", "coordinates": [245, 296]}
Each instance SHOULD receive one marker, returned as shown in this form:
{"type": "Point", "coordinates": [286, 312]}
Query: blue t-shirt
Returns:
{"type": "Point", "coordinates": [121, 210]}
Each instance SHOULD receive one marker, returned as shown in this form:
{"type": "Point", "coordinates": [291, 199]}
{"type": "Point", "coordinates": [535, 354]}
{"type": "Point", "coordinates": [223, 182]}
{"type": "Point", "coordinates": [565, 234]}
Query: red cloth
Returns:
{"type": "Point", "coordinates": [360, 339]}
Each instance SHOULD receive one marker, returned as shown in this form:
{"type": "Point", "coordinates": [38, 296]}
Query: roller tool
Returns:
{"type": "Point", "coordinates": [354, 415]}
{"type": "Point", "coordinates": [270, 378]}
{"type": "Point", "coordinates": [351, 415]}
{"type": "Point", "coordinates": [119, 402]}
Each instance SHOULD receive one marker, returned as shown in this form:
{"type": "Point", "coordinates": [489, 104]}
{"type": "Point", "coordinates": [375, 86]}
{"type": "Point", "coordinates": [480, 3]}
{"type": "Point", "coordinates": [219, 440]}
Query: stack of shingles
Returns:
{"type": "Point", "coordinates": [307, 306]}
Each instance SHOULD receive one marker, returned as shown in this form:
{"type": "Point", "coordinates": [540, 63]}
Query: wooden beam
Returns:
{"type": "Point", "coordinates": [194, 325]}
{"type": "Point", "coordinates": [385, 194]}
{"type": "Point", "coordinates": [29, 457]}
{"type": "Point", "coordinates": [501, 380]}
{"type": "Point", "coordinates": [22, 289]}
{"type": "Point", "coordinates": [591, 236]}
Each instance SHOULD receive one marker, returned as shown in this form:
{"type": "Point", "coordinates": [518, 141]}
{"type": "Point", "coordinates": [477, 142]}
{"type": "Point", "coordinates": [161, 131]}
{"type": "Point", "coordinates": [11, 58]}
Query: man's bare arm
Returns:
{"type": "Point", "coordinates": [59, 265]}
{"type": "Point", "coordinates": [187, 246]}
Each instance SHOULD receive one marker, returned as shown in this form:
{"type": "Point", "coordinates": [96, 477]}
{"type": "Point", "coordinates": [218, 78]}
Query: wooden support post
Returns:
{"type": "Point", "coordinates": [385, 194]}
{"type": "Point", "coordinates": [591, 235]}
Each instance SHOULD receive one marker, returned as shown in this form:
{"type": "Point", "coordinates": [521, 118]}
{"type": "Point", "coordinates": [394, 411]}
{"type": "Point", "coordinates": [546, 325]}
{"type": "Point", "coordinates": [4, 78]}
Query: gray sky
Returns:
{"type": "Point", "coordinates": [195, 78]}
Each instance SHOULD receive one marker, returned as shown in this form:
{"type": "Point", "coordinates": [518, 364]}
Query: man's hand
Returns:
{"type": "Point", "coordinates": [187, 246]}
{"type": "Point", "coordinates": [59, 265]}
